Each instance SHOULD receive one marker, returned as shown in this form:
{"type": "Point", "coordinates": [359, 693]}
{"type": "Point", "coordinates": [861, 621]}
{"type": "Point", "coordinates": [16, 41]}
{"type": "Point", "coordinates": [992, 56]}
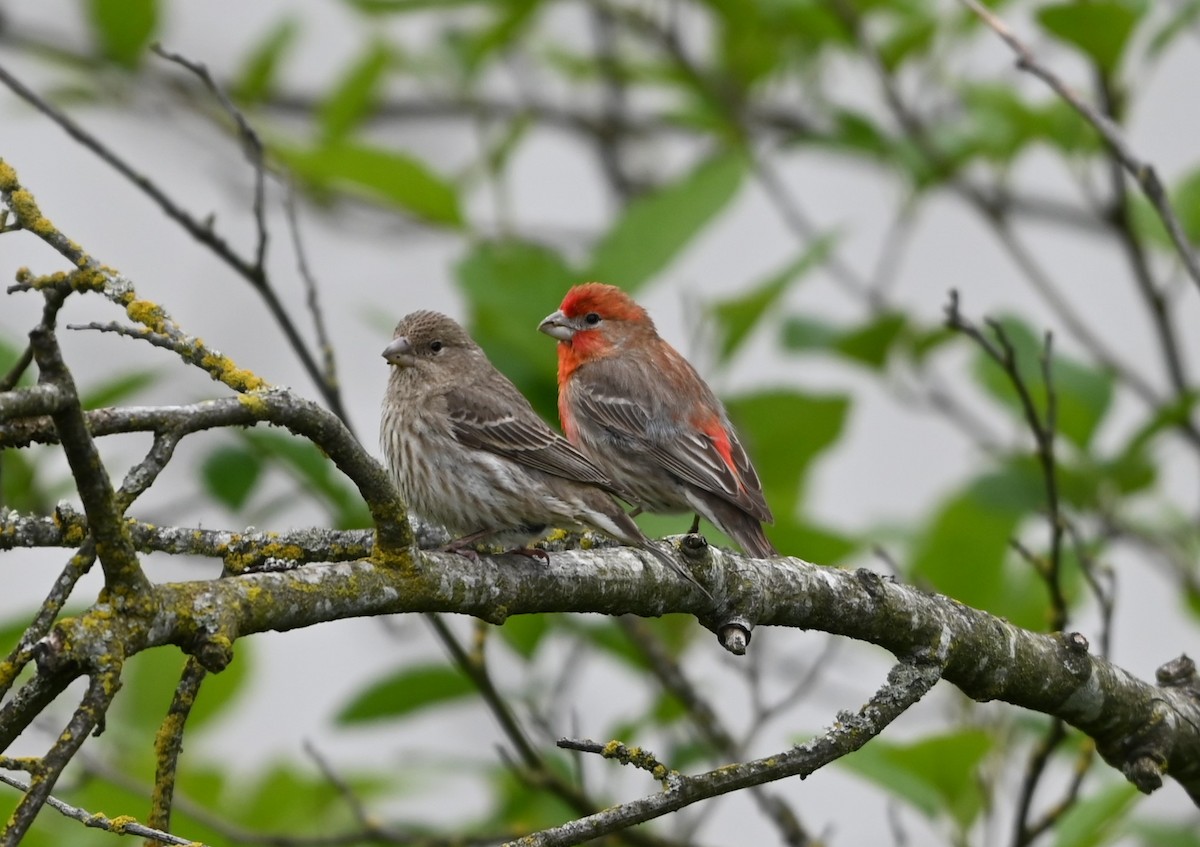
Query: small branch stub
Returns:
{"type": "Point", "coordinates": [1179, 673]}
{"type": "Point", "coordinates": [1145, 772]}
{"type": "Point", "coordinates": [1076, 642]}
{"type": "Point", "coordinates": [734, 635]}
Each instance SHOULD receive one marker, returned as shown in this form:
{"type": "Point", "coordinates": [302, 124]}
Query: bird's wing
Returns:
{"type": "Point", "coordinates": [705, 453]}
{"type": "Point", "coordinates": [497, 418]}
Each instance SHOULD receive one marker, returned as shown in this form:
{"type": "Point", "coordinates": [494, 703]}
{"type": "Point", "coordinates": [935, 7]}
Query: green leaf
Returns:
{"type": "Point", "coordinates": [935, 775]}
{"type": "Point", "coordinates": [219, 691]}
{"type": "Point", "coordinates": [1100, 28]}
{"type": "Point", "coordinates": [149, 683]}
{"type": "Point", "coordinates": [516, 808]}
{"type": "Point", "coordinates": [20, 486]}
{"type": "Point", "coordinates": [1158, 834]}
{"type": "Point", "coordinates": [1163, 419]}
{"type": "Point", "coordinates": [384, 175]}
{"type": "Point", "coordinates": [8, 360]}
{"type": "Point", "coordinates": [1183, 18]}
{"type": "Point", "coordinates": [962, 552]}
{"type": "Point", "coordinates": [387, 7]}
{"type": "Point", "coordinates": [255, 80]}
{"type": "Point", "coordinates": [511, 18]}
{"type": "Point", "coordinates": [814, 542]}
{"type": "Point", "coordinates": [316, 473]}
{"type": "Point", "coordinates": [12, 629]}
{"type": "Point", "coordinates": [118, 388]}
{"type": "Point", "coordinates": [923, 342]}
{"type": "Point", "coordinates": [123, 28]}
{"type": "Point", "coordinates": [510, 286]}
{"type": "Point", "coordinates": [736, 317]}
{"type": "Point", "coordinates": [913, 37]}
{"type": "Point", "coordinates": [523, 633]}
{"type": "Point", "coordinates": [1084, 396]}
{"type": "Point", "coordinates": [1097, 819]}
{"type": "Point", "coordinates": [871, 344]}
{"type": "Point", "coordinates": [784, 431]}
{"type": "Point", "coordinates": [405, 692]}
{"type": "Point", "coordinates": [230, 474]}
{"type": "Point", "coordinates": [1185, 198]}
{"type": "Point", "coordinates": [668, 709]}
{"type": "Point", "coordinates": [805, 333]}
{"type": "Point", "coordinates": [354, 96]}
{"type": "Point", "coordinates": [655, 228]}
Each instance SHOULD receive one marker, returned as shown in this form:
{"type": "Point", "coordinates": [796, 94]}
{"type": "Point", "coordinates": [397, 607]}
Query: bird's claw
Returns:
{"type": "Point", "coordinates": [531, 553]}
{"type": "Point", "coordinates": [461, 550]}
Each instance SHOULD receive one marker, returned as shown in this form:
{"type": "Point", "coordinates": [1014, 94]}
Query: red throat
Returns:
{"type": "Point", "coordinates": [583, 347]}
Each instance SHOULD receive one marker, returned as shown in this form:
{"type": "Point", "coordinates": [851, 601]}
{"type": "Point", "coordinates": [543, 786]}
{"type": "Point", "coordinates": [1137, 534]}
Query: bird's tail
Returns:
{"type": "Point", "coordinates": [664, 557]}
{"type": "Point", "coordinates": [632, 534]}
{"type": "Point", "coordinates": [745, 529]}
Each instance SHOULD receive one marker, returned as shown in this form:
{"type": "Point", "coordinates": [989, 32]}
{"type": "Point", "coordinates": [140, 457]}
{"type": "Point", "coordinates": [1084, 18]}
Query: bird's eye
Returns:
{"type": "Point", "coordinates": [435, 346]}
{"type": "Point", "coordinates": [591, 318]}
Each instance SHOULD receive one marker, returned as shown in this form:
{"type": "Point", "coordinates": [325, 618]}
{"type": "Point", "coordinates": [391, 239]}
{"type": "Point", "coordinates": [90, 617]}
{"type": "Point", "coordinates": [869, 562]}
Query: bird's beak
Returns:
{"type": "Point", "coordinates": [557, 326]}
{"type": "Point", "coordinates": [399, 352]}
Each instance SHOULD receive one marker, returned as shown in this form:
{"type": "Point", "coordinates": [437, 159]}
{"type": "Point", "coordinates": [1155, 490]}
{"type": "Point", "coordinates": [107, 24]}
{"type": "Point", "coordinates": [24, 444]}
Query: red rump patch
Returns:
{"type": "Point", "coordinates": [608, 301]}
{"type": "Point", "coordinates": [720, 439]}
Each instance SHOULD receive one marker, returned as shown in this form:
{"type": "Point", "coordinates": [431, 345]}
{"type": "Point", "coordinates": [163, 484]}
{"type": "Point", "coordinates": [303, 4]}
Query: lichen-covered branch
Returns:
{"type": "Point", "coordinates": [1145, 730]}
{"type": "Point", "coordinates": [277, 406]}
{"type": "Point", "coordinates": [906, 684]}
{"type": "Point", "coordinates": [168, 743]}
{"type": "Point", "coordinates": [123, 576]}
{"type": "Point", "coordinates": [122, 825]}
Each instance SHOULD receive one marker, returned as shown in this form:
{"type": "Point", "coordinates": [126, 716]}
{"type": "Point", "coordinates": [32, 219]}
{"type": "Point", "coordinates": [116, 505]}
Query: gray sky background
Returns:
{"type": "Point", "coordinates": [890, 466]}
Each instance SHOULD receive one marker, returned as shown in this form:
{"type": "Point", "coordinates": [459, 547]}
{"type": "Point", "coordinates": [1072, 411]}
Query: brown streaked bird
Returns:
{"type": "Point", "coordinates": [468, 451]}
{"type": "Point", "coordinates": [640, 411]}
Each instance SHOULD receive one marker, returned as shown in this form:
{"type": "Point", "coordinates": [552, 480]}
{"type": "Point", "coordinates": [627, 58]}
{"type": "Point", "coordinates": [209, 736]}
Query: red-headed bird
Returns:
{"type": "Point", "coordinates": [636, 407]}
{"type": "Point", "coordinates": [466, 449]}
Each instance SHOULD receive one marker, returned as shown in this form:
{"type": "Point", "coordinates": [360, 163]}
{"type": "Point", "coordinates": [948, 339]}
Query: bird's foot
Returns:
{"type": "Point", "coordinates": [531, 553]}
{"type": "Point", "coordinates": [461, 547]}
{"type": "Point", "coordinates": [695, 529]}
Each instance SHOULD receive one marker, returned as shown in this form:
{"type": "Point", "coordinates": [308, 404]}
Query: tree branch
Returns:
{"type": "Point", "coordinates": [906, 684]}
{"type": "Point", "coordinates": [1142, 172]}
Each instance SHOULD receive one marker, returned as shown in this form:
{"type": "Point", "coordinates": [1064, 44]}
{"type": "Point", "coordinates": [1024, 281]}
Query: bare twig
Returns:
{"type": "Point", "coordinates": [123, 826]}
{"type": "Point", "coordinates": [201, 231]}
{"type": "Point", "coordinates": [1142, 172]}
{"type": "Point", "coordinates": [906, 685]}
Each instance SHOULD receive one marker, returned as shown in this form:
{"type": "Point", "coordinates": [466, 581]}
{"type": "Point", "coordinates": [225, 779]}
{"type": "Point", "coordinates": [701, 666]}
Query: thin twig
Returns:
{"type": "Point", "coordinates": [1142, 172]}
{"type": "Point", "coordinates": [201, 231]}
{"type": "Point", "coordinates": [312, 299]}
{"type": "Point", "coordinates": [250, 140]}
{"type": "Point", "coordinates": [906, 685]}
{"type": "Point", "coordinates": [124, 826]}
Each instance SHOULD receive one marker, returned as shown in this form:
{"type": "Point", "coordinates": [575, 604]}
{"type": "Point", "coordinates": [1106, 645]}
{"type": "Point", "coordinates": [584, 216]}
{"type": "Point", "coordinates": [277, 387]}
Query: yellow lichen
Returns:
{"type": "Point", "coordinates": [223, 369]}
{"type": "Point", "coordinates": [8, 177]}
{"type": "Point", "coordinates": [28, 214]}
{"type": "Point", "coordinates": [119, 823]}
{"type": "Point", "coordinates": [87, 279]}
{"type": "Point", "coordinates": [148, 314]}
{"type": "Point", "coordinates": [255, 404]}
